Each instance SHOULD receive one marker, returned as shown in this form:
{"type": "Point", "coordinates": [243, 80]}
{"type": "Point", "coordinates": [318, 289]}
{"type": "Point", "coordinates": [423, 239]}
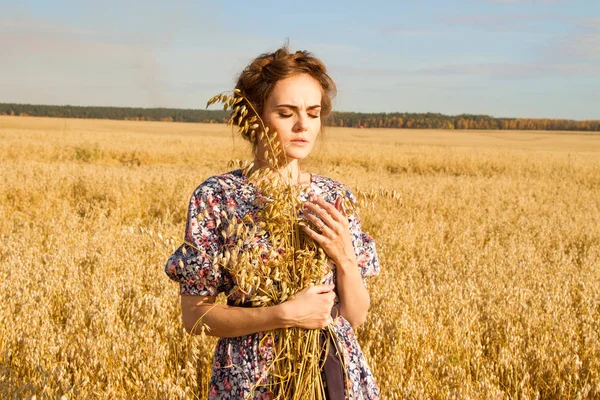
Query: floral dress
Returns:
{"type": "Point", "coordinates": [239, 363]}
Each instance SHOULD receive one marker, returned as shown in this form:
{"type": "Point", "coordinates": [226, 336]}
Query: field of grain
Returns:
{"type": "Point", "coordinates": [490, 254]}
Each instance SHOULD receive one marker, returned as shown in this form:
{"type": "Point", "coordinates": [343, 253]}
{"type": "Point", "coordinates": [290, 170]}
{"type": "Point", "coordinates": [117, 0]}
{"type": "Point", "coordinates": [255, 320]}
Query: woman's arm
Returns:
{"type": "Point", "coordinates": [309, 309]}
{"type": "Point", "coordinates": [335, 238]}
{"type": "Point", "coordinates": [353, 295]}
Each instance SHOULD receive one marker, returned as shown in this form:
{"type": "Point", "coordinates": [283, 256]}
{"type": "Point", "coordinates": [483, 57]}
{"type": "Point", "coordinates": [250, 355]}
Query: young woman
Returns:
{"type": "Point", "coordinates": [292, 94]}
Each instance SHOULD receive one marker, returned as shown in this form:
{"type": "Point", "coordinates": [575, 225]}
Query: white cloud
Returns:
{"type": "Point", "coordinates": [54, 63]}
{"type": "Point", "coordinates": [573, 54]}
{"type": "Point", "coordinates": [582, 45]}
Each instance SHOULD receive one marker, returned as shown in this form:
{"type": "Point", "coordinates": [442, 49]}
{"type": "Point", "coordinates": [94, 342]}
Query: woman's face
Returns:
{"type": "Point", "coordinates": [293, 111]}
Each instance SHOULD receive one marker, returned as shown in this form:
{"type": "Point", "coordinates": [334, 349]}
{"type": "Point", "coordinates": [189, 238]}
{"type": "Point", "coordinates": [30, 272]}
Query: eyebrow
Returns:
{"type": "Point", "coordinates": [295, 108]}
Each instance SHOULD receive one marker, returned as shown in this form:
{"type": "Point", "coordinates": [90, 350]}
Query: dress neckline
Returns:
{"type": "Point", "coordinates": [310, 183]}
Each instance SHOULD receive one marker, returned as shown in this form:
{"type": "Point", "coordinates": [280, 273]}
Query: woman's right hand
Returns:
{"type": "Point", "coordinates": [311, 307]}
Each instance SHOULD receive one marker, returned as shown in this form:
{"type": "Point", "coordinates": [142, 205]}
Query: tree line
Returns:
{"type": "Point", "coordinates": [119, 113]}
{"type": "Point", "coordinates": [338, 119]}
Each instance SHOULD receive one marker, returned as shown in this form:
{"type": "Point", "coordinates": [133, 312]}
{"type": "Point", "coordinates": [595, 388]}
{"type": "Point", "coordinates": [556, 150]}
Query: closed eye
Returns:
{"type": "Point", "coordinates": [289, 115]}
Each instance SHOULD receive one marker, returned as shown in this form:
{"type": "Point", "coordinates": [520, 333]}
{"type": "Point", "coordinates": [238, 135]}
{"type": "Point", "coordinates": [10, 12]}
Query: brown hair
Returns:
{"type": "Point", "coordinates": [257, 80]}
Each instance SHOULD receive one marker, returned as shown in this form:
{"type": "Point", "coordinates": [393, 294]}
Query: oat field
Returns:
{"type": "Point", "coordinates": [490, 254]}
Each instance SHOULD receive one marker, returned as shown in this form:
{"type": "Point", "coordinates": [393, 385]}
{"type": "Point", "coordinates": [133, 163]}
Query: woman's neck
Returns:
{"type": "Point", "coordinates": [290, 172]}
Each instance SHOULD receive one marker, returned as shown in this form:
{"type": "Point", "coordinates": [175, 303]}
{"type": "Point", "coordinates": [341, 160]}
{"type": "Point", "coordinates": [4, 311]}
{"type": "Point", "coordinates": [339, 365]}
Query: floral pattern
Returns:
{"type": "Point", "coordinates": [239, 363]}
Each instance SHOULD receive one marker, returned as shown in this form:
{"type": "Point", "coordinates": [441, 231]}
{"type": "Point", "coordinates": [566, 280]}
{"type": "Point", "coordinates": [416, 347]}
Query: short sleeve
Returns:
{"type": "Point", "coordinates": [364, 245]}
{"type": "Point", "coordinates": [191, 264]}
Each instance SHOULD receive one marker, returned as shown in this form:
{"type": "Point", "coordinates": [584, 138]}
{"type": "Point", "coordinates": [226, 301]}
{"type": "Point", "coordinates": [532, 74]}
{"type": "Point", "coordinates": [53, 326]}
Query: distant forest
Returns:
{"type": "Point", "coordinates": [340, 119]}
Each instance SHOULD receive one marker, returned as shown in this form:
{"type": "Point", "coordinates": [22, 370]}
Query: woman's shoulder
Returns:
{"type": "Point", "coordinates": [330, 188]}
{"type": "Point", "coordinates": [217, 185]}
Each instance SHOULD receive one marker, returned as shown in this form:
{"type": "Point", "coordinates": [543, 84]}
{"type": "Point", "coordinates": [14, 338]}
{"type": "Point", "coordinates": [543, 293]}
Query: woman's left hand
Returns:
{"type": "Point", "coordinates": [331, 229]}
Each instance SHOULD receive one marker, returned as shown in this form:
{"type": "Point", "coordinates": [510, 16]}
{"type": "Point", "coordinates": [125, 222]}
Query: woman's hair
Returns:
{"type": "Point", "coordinates": [257, 80]}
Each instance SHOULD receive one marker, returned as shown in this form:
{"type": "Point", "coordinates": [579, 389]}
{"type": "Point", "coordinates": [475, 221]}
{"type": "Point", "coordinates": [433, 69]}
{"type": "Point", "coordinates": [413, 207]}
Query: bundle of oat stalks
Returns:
{"type": "Point", "coordinates": [294, 261]}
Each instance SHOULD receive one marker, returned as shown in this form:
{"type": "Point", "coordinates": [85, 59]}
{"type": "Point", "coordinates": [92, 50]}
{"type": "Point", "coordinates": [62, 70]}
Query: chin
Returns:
{"type": "Point", "coordinates": [296, 155]}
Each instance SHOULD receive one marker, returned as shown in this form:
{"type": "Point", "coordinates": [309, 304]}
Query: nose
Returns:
{"type": "Point", "coordinates": [301, 122]}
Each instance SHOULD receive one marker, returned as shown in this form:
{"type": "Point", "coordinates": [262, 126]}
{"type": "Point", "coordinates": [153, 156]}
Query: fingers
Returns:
{"type": "Point", "coordinates": [317, 222]}
{"type": "Point", "coordinates": [324, 208]}
{"type": "Point", "coordinates": [317, 237]}
{"type": "Point", "coordinates": [319, 289]}
{"type": "Point", "coordinates": [339, 205]}
{"type": "Point", "coordinates": [324, 321]}
{"type": "Point", "coordinates": [332, 297]}
{"type": "Point", "coordinates": [317, 215]}
{"type": "Point", "coordinates": [317, 302]}
{"type": "Point", "coordinates": [326, 292]}
{"type": "Point", "coordinates": [323, 288]}
{"type": "Point", "coordinates": [330, 300]}
{"type": "Point", "coordinates": [329, 303]}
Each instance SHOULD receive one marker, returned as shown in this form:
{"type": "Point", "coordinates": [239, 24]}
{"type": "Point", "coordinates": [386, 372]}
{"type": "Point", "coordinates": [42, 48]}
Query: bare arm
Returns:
{"type": "Point", "coordinates": [353, 295]}
{"type": "Point", "coordinates": [309, 309]}
{"type": "Point", "coordinates": [335, 238]}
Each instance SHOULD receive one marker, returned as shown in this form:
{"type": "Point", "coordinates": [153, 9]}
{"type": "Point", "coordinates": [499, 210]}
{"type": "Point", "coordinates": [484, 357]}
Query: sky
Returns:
{"type": "Point", "coordinates": [504, 58]}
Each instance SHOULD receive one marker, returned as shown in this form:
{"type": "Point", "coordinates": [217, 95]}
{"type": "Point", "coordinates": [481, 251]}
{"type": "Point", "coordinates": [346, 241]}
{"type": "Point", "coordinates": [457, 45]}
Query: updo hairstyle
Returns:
{"type": "Point", "coordinates": [257, 80]}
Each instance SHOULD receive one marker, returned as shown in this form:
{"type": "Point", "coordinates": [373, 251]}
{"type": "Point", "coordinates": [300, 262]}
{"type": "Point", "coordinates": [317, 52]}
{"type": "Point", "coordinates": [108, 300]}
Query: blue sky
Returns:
{"type": "Point", "coordinates": [506, 58]}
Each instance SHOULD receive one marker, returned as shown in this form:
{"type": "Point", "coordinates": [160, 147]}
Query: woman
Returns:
{"type": "Point", "coordinates": [292, 94]}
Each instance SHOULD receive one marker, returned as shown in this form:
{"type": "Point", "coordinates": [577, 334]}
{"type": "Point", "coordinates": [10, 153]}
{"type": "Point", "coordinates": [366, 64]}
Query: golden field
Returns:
{"type": "Point", "coordinates": [490, 254]}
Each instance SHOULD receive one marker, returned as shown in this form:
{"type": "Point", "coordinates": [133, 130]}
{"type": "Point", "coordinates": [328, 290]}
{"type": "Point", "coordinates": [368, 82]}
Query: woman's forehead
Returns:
{"type": "Point", "coordinates": [296, 90]}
